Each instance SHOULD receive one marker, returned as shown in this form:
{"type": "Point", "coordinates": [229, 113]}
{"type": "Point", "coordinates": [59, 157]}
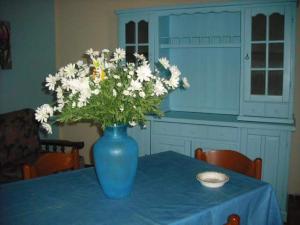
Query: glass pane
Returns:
{"type": "Point", "coordinates": [275, 82]}
{"type": "Point", "coordinates": [143, 31]}
{"type": "Point", "coordinates": [258, 56]}
{"type": "Point", "coordinates": [258, 81]}
{"type": "Point", "coordinates": [276, 30]}
{"type": "Point", "coordinates": [276, 55]}
{"type": "Point", "coordinates": [130, 32]}
{"type": "Point", "coordinates": [259, 27]}
{"type": "Point", "coordinates": [130, 50]}
{"type": "Point", "coordinates": [143, 50]}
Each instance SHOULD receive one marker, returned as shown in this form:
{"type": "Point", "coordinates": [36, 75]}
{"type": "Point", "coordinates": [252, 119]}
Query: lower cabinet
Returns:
{"type": "Point", "coordinates": [185, 138]}
{"type": "Point", "coordinates": [267, 141]}
{"type": "Point", "coordinates": [273, 146]}
{"type": "Point", "coordinates": [142, 137]}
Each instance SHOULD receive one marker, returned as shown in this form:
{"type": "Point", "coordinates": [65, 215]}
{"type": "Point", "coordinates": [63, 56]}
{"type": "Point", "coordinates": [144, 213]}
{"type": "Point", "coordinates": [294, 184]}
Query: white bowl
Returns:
{"type": "Point", "coordinates": [212, 179]}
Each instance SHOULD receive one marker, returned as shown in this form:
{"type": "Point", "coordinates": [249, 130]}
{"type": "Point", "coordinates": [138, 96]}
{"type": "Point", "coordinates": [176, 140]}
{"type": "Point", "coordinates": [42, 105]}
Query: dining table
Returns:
{"type": "Point", "coordinates": [165, 191]}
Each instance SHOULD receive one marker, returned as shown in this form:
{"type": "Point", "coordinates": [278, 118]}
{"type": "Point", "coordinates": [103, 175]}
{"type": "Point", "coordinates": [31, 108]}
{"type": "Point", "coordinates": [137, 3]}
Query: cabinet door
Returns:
{"type": "Point", "coordinates": [267, 61]}
{"type": "Point", "coordinates": [162, 143]}
{"type": "Point", "coordinates": [265, 145]}
{"type": "Point", "coordinates": [142, 137]}
{"type": "Point", "coordinates": [273, 146]}
{"type": "Point", "coordinates": [266, 55]}
{"type": "Point", "coordinates": [134, 35]}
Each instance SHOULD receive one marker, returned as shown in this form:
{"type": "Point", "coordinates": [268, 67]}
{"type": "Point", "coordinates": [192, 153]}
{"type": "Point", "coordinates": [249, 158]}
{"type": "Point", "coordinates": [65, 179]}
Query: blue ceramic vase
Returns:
{"type": "Point", "coordinates": [115, 157]}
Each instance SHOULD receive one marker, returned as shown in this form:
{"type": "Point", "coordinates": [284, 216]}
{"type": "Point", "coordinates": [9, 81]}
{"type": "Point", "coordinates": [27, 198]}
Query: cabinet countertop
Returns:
{"type": "Point", "coordinates": [216, 119]}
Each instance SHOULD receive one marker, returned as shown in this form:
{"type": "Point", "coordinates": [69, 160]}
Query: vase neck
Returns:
{"type": "Point", "coordinates": [116, 131]}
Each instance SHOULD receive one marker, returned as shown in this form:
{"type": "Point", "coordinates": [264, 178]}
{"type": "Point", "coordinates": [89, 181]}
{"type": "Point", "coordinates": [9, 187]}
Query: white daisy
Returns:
{"type": "Point", "coordinates": [114, 92]}
{"type": "Point", "coordinates": [51, 82]}
{"type": "Point", "coordinates": [59, 93]}
{"type": "Point", "coordinates": [142, 94]}
{"type": "Point", "coordinates": [185, 83]}
{"type": "Point", "coordinates": [47, 127]}
{"type": "Point", "coordinates": [159, 88]}
{"type": "Point", "coordinates": [89, 51]}
{"type": "Point", "coordinates": [139, 56]}
{"type": "Point", "coordinates": [135, 85]}
{"type": "Point", "coordinates": [173, 82]}
{"type": "Point", "coordinates": [105, 51]}
{"type": "Point", "coordinates": [126, 93]}
{"type": "Point", "coordinates": [132, 123]}
{"type": "Point", "coordinates": [96, 91]}
{"type": "Point", "coordinates": [79, 63]}
{"type": "Point", "coordinates": [70, 70]}
{"type": "Point", "coordinates": [43, 112]}
{"type": "Point", "coordinates": [164, 62]}
{"type": "Point", "coordinates": [143, 73]}
{"type": "Point", "coordinates": [175, 71]}
{"type": "Point", "coordinates": [119, 54]}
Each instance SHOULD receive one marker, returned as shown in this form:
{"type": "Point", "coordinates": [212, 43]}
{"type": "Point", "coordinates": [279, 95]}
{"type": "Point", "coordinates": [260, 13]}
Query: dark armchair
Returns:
{"type": "Point", "coordinates": [20, 143]}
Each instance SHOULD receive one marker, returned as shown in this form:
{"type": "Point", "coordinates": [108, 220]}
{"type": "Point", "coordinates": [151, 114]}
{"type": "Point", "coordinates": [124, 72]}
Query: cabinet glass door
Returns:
{"type": "Point", "coordinates": [136, 39]}
{"type": "Point", "coordinates": [267, 54]}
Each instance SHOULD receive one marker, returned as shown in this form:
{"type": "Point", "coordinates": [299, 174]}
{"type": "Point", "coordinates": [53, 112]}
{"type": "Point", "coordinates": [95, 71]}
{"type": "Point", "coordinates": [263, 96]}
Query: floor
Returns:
{"type": "Point", "coordinates": [293, 217]}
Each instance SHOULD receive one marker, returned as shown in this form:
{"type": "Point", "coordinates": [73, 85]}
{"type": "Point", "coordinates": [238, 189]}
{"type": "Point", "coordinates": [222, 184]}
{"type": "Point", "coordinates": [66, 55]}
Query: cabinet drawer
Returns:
{"type": "Point", "coordinates": [160, 143]}
{"type": "Point", "coordinates": [197, 131]}
{"type": "Point", "coordinates": [222, 133]}
{"type": "Point", "coordinates": [178, 129]}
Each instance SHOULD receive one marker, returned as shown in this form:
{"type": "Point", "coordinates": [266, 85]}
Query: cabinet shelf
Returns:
{"type": "Point", "coordinates": [234, 45]}
{"type": "Point", "coordinates": [213, 41]}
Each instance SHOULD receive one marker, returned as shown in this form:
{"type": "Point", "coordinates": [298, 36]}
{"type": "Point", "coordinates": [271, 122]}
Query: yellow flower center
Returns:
{"type": "Point", "coordinates": [97, 74]}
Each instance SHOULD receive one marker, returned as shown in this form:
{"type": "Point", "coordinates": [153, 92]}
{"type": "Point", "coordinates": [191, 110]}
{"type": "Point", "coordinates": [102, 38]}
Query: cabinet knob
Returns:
{"type": "Point", "coordinates": [246, 57]}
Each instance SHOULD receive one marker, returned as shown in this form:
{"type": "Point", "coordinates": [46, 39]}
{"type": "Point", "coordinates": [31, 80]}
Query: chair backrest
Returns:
{"type": "Point", "coordinates": [233, 219]}
{"type": "Point", "coordinates": [53, 162]}
{"type": "Point", "coordinates": [19, 142]}
{"type": "Point", "coordinates": [232, 160]}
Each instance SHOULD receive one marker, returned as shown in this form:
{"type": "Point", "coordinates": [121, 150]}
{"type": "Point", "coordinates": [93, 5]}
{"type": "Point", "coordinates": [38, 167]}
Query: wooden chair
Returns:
{"type": "Point", "coordinates": [233, 219]}
{"type": "Point", "coordinates": [21, 144]}
{"type": "Point", "coordinates": [232, 160]}
{"type": "Point", "coordinates": [53, 162]}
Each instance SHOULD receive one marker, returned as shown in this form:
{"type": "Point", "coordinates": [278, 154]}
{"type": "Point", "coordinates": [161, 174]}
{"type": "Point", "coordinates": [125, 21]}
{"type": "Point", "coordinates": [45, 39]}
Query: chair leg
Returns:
{"type": "Point", "coordinates": [28, 172]}
{"type": "Point", "coordinates": [76, 158]}
{"type": "Point", "coordinates": [233, 220]}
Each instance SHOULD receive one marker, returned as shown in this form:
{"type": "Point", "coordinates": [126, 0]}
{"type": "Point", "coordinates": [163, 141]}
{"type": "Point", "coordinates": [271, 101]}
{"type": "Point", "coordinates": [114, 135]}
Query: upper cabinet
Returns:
{"type": "Point", "coordinates": [238, 56]}
{"type": "Point", "coordinates": [267, 64]}
{"type": "Point", "coordinates": [134, 35]}
{"type": "Point", "coordinates": [205, 45]}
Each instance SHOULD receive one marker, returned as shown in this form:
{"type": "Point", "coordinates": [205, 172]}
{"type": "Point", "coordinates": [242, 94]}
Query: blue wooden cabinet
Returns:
{"type": "Point", "coordinates": [239, 59]}
{"type": "Point", "coordinates": [267, 57]}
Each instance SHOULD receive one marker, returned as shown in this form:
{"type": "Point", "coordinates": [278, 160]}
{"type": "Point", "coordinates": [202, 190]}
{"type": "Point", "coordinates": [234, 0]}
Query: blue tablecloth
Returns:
{"type": "Point", "coordinates": [165, 192]}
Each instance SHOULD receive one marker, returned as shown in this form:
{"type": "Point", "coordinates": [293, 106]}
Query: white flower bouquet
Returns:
{"type": "Point", "coordinates": [105, 90]}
